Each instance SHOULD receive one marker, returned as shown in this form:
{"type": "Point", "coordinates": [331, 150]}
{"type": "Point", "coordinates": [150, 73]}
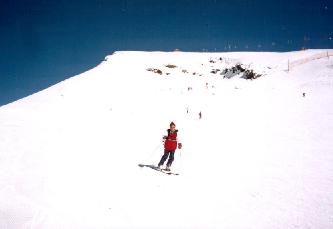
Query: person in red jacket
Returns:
{"type": "Point", "coordinates": [170, 146]}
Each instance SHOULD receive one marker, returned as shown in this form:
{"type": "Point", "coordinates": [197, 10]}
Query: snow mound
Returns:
{"type": "Point", "coordinates": [261, 156]}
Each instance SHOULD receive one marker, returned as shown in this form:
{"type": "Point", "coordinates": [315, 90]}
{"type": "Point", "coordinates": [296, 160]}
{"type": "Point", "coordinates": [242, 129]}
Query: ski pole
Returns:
{"type": "Point", "coordinates": [180, 159]}
{"type": "Point", "coordinates": [156, 148]}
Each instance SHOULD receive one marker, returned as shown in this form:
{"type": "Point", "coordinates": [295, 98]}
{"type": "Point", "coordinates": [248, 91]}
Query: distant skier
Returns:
{"type": "Point", "coordinates": [170, 146]}
{"type": "Point", "coordinates": [200, 115]}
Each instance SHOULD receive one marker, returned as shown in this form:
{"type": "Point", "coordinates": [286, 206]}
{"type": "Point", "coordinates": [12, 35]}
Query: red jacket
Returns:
{"type": "Point", "coordinates": [171, 140]}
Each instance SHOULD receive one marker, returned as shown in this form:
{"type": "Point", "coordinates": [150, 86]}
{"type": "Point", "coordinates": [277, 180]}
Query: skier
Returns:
{"type": "Point", "coordinates": [170, 146]}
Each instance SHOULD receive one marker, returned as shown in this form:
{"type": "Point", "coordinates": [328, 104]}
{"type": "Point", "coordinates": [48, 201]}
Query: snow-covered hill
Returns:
{"type": "Point", "coordinates": [261, 156]}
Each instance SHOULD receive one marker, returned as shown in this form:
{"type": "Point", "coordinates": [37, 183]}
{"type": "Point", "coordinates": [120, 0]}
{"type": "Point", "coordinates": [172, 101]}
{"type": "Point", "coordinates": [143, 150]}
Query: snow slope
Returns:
{"type": "Point", "coordinates": [260, 157]}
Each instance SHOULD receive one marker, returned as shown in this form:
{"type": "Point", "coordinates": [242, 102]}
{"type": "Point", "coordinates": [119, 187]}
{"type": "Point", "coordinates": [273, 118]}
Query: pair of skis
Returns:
{"type": "Point", "coordinates": [168, 172]}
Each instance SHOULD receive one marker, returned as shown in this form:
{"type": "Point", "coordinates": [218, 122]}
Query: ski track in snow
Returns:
{"type": "Point", "coordinates": [260, 157]}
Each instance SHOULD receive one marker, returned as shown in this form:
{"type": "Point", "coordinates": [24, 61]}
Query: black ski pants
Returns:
{"type": "Point", "coordinates": [167, 154]}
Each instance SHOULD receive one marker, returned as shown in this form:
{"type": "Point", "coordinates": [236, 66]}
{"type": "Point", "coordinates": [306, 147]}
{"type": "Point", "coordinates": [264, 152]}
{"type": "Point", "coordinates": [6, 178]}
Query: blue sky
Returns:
{"type": "Point", "coordinates": [44, 42]}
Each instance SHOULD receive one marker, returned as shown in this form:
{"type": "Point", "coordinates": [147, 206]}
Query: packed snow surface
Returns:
{"type": "Point", "coordinates": [261, 156]}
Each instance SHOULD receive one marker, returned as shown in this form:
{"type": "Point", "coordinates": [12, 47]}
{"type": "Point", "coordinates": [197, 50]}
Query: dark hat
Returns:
{"type": "Point", "coordinates": [172, 124]}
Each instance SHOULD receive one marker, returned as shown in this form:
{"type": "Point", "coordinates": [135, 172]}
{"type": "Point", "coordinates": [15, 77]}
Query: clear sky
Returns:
{"type": "Point", "coordinates": [43, 42]}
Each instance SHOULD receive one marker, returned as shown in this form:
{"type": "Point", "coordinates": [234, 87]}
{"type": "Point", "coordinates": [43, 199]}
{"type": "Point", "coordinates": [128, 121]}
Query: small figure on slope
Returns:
{"type": "Point", "coordinates": [170, 146]}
